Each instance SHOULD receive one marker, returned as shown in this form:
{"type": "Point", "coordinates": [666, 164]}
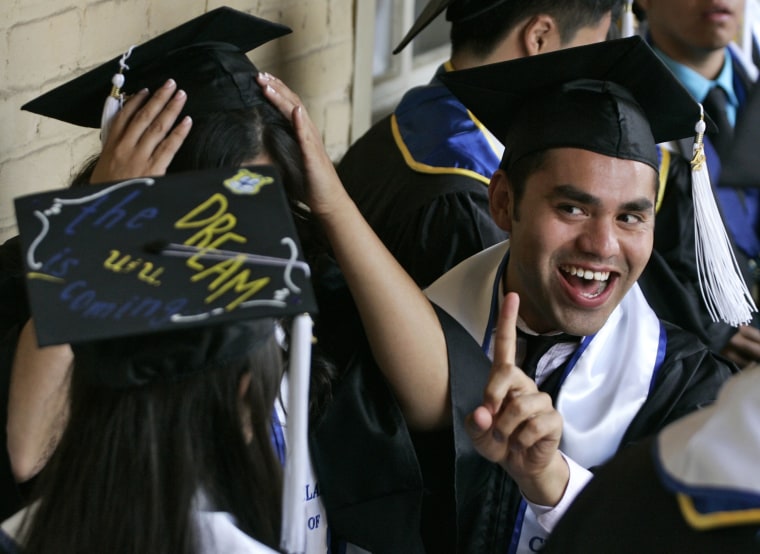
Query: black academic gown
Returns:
{"type": "Point", "coordinates": [14, 312]}
{"type": "Point", "coordinates": [625, 509]}
{"type": "Point", "coordinates": [389, 490]}
{"type": "Point", "coordinates": [428, 221]}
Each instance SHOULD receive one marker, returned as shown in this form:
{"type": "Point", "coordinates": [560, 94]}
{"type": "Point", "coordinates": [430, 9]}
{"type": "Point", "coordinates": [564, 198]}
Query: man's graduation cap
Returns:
{"type": "Point", "coordinates": [456, 10]}
{"type": "Point", "coordinates": [614, 98]}
{"type": "Point", "coordinates": [205, 56]}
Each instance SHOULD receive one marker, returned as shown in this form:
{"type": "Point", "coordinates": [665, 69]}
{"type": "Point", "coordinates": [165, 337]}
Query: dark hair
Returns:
{"type": "Point", "coordinates": [519, 172]}
{"type": "Point", "coordinates": [482, 33]}
{"type": "Point", "coordinates": [130, 464]}
{"type": "Point", "coordinates": [231, 138]}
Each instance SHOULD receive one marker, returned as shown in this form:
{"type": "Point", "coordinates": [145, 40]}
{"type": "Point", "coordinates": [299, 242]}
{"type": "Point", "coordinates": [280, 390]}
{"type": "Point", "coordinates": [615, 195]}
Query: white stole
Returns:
{"type": "Point", "coordinates": [608, 383]}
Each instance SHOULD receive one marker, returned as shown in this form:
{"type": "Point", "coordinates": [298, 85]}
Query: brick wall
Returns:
{"type": "Point", "coordinates": [45, 42]}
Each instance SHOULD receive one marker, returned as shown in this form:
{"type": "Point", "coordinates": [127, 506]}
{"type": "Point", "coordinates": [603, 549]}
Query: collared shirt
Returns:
{"type": "Point", "coordinates": [698, 86]}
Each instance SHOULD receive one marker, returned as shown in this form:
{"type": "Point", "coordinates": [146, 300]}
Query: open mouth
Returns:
{"type": "Point", "coordinates": [588, 284]}
{"type": "Point", "coordinates": [718, 12]}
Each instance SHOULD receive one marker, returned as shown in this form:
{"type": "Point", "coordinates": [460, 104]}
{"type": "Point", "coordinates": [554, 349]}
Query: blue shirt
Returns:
{"type": "Point", "coordinates": [741, 209]}
{"type": "Point", "coordinates": [698, 85]}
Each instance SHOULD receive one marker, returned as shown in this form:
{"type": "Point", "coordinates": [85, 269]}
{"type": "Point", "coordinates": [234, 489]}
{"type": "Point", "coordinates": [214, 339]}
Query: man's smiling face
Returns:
{"type": "Point", "coordinates": [582, 236]}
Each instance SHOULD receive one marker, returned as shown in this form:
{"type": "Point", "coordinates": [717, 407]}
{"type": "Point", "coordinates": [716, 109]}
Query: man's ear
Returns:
{"type": "Point", "coordinates": [541, 35]}
{"type": "Point", "coordinates": [500, 199]}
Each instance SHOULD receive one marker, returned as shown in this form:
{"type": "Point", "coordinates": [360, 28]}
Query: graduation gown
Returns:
{"type": "Point", "coordinates": [420, 178]}
{"type": "Point", "coordinates": [387, 489]}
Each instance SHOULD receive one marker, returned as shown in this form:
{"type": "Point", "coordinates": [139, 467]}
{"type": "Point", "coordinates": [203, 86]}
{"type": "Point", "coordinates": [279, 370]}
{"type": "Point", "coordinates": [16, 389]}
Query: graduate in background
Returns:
{"type": "Point", "coordinates": [428, 200]}
{"type": "Point", "coordinates": [695, 40]}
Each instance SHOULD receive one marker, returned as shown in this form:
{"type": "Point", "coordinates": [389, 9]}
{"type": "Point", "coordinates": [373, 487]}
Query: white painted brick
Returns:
{"type": "Point", "coordinates": [42, 50]}
{"type": "Point", "coordinates": [110, 28]}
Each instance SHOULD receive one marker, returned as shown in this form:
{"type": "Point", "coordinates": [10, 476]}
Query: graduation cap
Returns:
{"type": "Point", "coordinates": [598, 97]}
{"type": "Point", "coordinates": [456, 10]}
{"type": "Point", "coordinates": [156, 254]}
{"type": "Point", "coordinates": [205, 56]}
{"type": "Point", "coordinates": [161, 277]}
{"type": "Point", "coordinates": [615, 98]}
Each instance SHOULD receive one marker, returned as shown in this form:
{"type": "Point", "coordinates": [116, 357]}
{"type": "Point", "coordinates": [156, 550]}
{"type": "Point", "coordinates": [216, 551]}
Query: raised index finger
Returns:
{"type": "Point", "coordinates": [505, 339]}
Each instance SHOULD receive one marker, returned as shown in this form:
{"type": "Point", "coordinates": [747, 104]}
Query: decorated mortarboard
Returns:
{"type": "Point", "coordinates": [456, 10]}
{"type": "Point", "coordinates": [206, 56]}
{"type": "Point", "coordinates": [170, 275]}
{"type": "Point", "coordinates": [618, 99]}
{"type": "Point", "coordinates": [156, 254]}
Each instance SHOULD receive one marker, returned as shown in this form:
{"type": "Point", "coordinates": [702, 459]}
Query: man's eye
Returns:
{"type": "Point", "coordinates": [569, 209]}
{"type": "Point", "coordinates": [631, 218]}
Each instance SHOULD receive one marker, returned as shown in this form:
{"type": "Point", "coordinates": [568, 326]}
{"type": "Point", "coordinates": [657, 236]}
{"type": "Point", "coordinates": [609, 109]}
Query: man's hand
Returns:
{"type": "Point", "coordinates": [142, 140]}
{"type": "Point", "coordinates": [744, 346]}
{"type": "Point", "coordinates": [517, 425]}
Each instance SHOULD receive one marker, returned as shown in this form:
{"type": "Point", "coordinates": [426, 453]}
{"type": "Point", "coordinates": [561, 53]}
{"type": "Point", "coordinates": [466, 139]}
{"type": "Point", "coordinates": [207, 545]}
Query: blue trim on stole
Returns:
{"type": "Point", "coordinates": [438, 130]}
{"type": "Point", "coordinates": [278, 438]}
{"type": "Point", "coordinates": [7, 544]}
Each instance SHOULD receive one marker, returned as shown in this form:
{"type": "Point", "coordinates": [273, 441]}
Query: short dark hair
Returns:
{"type": "Point", "coordinates": [482, 33]}
{"type": "Point", "coordinates": [518, 174]}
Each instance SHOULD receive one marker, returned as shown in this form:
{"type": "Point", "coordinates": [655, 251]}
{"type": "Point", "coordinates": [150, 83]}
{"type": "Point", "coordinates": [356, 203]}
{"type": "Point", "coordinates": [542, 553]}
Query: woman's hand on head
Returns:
{"type": "Point", "coordinates": [143, 139]}
{"type": "Point", "coordinates": [325, 191]}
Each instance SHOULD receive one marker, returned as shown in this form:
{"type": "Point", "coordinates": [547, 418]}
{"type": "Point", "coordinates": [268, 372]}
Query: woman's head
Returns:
{"type": "Point", "coordinates": [155, 420]}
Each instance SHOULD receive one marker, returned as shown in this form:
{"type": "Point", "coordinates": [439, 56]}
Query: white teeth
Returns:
{"type": "Point", "coordinates": [586, 273]}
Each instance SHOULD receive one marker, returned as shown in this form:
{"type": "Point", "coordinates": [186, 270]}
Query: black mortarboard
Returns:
{"type": "Point", "coordinates": [615, 98]}
{"type": "Point", "coordinates": [206, 56]}
{"type": "Point", "coordinates": [456, 10]}
{"type": "Point", "coordinates": [618, 99]}
{"type": "Point", "coordinates": [156, 254]}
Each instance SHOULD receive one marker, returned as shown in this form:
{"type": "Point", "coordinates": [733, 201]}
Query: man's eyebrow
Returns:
{"type": "Point", "coordinates": [640, 205]}
{"type": "Point", "coordinates": [573, 193]}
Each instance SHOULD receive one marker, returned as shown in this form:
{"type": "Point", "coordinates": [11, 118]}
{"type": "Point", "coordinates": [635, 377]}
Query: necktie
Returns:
{"type": "Point", "coordinates": [715, 106]}
{"type": "Point", "coordinates": [536, 346]}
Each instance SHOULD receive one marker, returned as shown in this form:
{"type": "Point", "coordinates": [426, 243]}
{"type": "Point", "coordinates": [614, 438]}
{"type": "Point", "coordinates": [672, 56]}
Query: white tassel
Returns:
{"type": "Point", "coordinates": [720, 279]}
{"type": "Point", "coordinates": [627, 24]}
{"type": "Point", "coordinates": [293, 534]}
{"type": "Point", "coordinates": [115, 100]}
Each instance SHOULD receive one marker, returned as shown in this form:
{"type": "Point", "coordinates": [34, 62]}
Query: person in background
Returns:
{"type": "Point", "coordinates": [427, 194]}
{"type": "Point", "coordinates": [694, 39]}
